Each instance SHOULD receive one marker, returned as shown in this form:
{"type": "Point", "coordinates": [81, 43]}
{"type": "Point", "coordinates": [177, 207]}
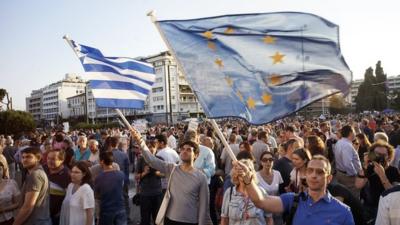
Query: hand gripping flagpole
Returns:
{"type": "Point", "coordinates": [213, 123]}
{"type": "Point", "coordinates": [128, 125]}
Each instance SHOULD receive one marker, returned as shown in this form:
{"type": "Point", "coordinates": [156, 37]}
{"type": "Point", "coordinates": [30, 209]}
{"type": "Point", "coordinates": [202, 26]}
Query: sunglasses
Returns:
{"type": "Point", "coordinates": [267, 160]}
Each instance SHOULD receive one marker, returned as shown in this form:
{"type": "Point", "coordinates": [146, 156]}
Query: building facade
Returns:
{"type": "Point", "coordinates": [53, 98]}
{"type": "Point", "coordinates": [34, 104]}
{"type": "Point", "coordinates": [171, 98]}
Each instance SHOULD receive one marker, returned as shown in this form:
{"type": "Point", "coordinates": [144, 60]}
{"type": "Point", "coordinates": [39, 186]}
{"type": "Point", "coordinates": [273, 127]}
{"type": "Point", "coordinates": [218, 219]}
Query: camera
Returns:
{"type": "Point", "coordinates": [374, 157]}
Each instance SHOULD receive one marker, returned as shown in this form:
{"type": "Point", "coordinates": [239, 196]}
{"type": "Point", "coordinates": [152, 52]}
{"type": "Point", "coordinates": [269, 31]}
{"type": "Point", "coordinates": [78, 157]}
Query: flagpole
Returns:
{"type": "Point", "coordinates": [214, 124]}
{"type": "Point", "coordinates": [68, 40]}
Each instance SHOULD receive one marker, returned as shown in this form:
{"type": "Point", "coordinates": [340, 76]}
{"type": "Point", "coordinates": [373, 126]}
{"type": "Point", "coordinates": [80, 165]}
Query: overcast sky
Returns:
{"type": "Point", "coordinates": [33, 53]}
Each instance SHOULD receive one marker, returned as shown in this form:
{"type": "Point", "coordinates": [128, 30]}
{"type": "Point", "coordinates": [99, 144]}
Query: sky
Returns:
{"type": "Point", "coordinates": [33, 53]}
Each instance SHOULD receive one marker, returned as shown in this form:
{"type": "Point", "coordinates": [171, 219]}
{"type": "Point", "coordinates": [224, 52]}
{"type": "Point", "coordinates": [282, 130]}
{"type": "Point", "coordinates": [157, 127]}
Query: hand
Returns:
{"type": "Point", "coordinates": [379, 170]}
{"type": "Point", "coordinates": [243, 172]}
{"type": "Point", "coordinates": [136, 136]}
{"type": "Point", "coordinates": [146, 170]}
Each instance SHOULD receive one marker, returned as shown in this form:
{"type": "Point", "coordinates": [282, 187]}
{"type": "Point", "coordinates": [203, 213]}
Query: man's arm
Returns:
{"type": "Point", "coordinates": [268, 203]}
{"type": "Point", "coordinates": [27, 207]}
{"type": "Point", "coordinates": [209, 168]}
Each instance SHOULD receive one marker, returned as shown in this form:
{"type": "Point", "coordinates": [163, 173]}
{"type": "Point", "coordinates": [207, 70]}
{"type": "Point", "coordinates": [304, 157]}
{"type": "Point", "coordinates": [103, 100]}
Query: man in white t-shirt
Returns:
{"type": "Point", "coordinates": [171, 139]}
{"type": "Point", "coordinates": [166, 153]}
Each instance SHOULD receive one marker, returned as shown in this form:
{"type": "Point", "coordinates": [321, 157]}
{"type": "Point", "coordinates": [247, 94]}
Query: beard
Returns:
{"type": "Point", "coordinates": [29, 166]}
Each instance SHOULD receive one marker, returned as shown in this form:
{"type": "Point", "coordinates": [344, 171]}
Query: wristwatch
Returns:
{"type": "Point", "coordinates": [248, 178]}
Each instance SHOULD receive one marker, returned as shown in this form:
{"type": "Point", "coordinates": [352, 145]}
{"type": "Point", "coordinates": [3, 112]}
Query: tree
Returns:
{"type": "Point", "coordinates": [365, 97]}
{"type": "Point", "coordinates": [16, 122]}
{"type": "Point", "coordinates": [337, 104]}
{"type": "Point", "coordinates": [381, 90]}
{"type": "Point", "coordinates": [372, 93]}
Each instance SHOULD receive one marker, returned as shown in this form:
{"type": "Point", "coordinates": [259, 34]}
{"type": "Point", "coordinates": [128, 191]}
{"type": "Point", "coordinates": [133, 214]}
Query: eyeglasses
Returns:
{"type": "Point", "coordinates": [267, 160]}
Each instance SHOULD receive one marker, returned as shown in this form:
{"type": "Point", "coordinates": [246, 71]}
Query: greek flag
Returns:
{"type": "Point", "coordinates": [116, 82]}
{"type": "Point", "coordinates": [259, 67]}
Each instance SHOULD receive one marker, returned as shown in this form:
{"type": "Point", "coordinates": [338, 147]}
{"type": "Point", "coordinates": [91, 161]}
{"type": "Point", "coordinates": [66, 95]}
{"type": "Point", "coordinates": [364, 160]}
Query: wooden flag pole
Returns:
{"type": "Point", "coordinates": [214, 124]}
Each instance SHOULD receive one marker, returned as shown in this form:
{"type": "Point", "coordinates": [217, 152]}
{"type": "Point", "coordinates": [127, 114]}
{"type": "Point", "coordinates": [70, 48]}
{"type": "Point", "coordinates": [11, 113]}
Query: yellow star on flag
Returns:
{"type": "Point", "coordinates": [266, 98]}
{"type": "Point", "coordinates": [219, 62]}
{"type": "Point", "coordinates": [269, 39]}
{"type": "Point", "coordinates": [229, 30]}
{"type": "Point", "coordinates": [211, 45]}
{"type": "Point", "coordinates": [239, 95]}
{"type": "Point", "coordinates": [229, 81]}
{"type": "Point", "coordinates": [208, 34]}
{"type": "Point", "coordinates": [251, 103]}
{"type": "Point", "coordinates": [277, 58]}
{"type": "Point", "coordinates": [275, 79]}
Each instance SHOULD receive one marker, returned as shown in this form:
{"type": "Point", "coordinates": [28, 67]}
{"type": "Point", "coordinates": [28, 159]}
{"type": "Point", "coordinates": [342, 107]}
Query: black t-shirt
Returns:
{"type": "Point", "coordinates": [150, 184]}
{"type": "Point", "coordinates": [284, 166]}
{"type": "Point", "coordinates": [58, 188]}
{"type": "Point", "coordinates": [342, 193]}
{"type": "Point", "coordinates": [374, 188]}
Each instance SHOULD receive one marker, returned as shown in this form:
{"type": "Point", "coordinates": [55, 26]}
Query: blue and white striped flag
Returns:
{"type": "Point", "coordinates": [116, 82]}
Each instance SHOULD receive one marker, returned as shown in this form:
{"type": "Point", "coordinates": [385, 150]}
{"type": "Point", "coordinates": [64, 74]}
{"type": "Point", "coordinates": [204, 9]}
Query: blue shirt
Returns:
{"type": "Point", "coordinates": [84, 156]}
{"type": "Point", "coordinates": [346, 157]}
{"type": "Point", "coordinates": [205, 162]}
{"type": "Point", "coordinates": [122, 160]}
{"type": "Point", "coordinates": [327, 210]}
{"type": "Point", "coordinates": [108, 187]}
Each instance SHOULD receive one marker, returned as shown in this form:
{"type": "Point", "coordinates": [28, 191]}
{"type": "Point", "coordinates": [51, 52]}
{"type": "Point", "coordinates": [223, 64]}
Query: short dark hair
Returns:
{"type": "Point", "coordinates": [262, 135]}
{"type": "Point", "coordinates": [161, 138]}
{"type": "Point", "coordinates": [290, 128]}
{"type": "Point", "coordinates": [107, 158]}
{"type": "Point", "coordinates": [32, 150]}
{"type": "Point", "coordinates": [112, 141]}
{"type": "Point", "coordinates": [303, 153]}
{"type": "Point", "coordinates": [84, 167]}
{"type": "Point", "coordinates": [191, 144]}
{"type": "Point", "coordinates": [245, 155]}
{"type": "Point", "coordinates": [346, 131]}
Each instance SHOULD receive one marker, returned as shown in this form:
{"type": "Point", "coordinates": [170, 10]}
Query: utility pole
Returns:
{"type": "Point", "coordinates": [169, 93]}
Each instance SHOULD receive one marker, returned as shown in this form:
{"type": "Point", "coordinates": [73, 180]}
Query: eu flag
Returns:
{"type": "Point", "coordinates": [259, 67]}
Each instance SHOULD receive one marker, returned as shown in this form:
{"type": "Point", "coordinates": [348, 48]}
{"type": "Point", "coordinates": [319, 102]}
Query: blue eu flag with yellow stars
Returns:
{"type": "Point", "coordinates": [259, 67]}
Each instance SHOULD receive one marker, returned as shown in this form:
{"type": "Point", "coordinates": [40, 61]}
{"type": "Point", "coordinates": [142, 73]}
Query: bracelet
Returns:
{"type": "Point", "coordinates": [251, 179]}
{"type": "Point", "coordinates": [361, 176]}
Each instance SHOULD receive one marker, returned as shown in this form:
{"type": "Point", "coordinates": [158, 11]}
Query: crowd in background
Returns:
{"type": "Point", "coordinates": [82, 176]}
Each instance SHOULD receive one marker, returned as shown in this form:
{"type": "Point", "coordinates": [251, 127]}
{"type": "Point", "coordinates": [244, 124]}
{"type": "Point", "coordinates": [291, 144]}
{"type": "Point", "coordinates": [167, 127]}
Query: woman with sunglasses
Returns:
{"type": "Point", "coordinates": [269, 179]}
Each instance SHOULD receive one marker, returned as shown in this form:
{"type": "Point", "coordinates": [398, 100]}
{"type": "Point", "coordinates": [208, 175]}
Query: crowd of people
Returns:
{"type": "Point", "coordinates": [340, 170]}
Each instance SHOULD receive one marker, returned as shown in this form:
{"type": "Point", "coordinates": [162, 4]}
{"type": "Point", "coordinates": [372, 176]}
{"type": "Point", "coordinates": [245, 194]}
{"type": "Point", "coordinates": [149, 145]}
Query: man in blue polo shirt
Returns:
{"type": "Point", "coordinates": [314, 207]}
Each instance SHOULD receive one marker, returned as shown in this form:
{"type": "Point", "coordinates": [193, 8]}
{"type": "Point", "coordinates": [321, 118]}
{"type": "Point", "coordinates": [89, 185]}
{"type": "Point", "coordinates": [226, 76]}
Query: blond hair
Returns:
{"type": "Point", "coordinates": [250, 164]}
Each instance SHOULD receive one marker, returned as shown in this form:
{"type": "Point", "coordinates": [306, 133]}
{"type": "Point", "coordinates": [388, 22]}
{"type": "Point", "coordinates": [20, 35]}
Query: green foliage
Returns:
{"type": "Point", "coordinates": [16, 122]}
{"type": "Point", "coordinates": [337, 105]}
{"type": "Point", "coordinates": [84, 126]}
{"type": "Point", "coordinates": [3, 93]}
{"type": "Point", "coordinates": [372, 93]}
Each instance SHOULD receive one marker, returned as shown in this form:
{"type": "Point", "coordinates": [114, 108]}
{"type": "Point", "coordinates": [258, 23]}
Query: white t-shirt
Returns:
{"type": "Point", "coordinates": [172, 142]}
{"type": "Point", "coordinates": [273, 188]}
{"type": "Point", "coordinates": [74, 205]}
{"type": "Point", "coordinates": [168, 155]}
{"type": "Point", "coordinates": [10, 190]}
